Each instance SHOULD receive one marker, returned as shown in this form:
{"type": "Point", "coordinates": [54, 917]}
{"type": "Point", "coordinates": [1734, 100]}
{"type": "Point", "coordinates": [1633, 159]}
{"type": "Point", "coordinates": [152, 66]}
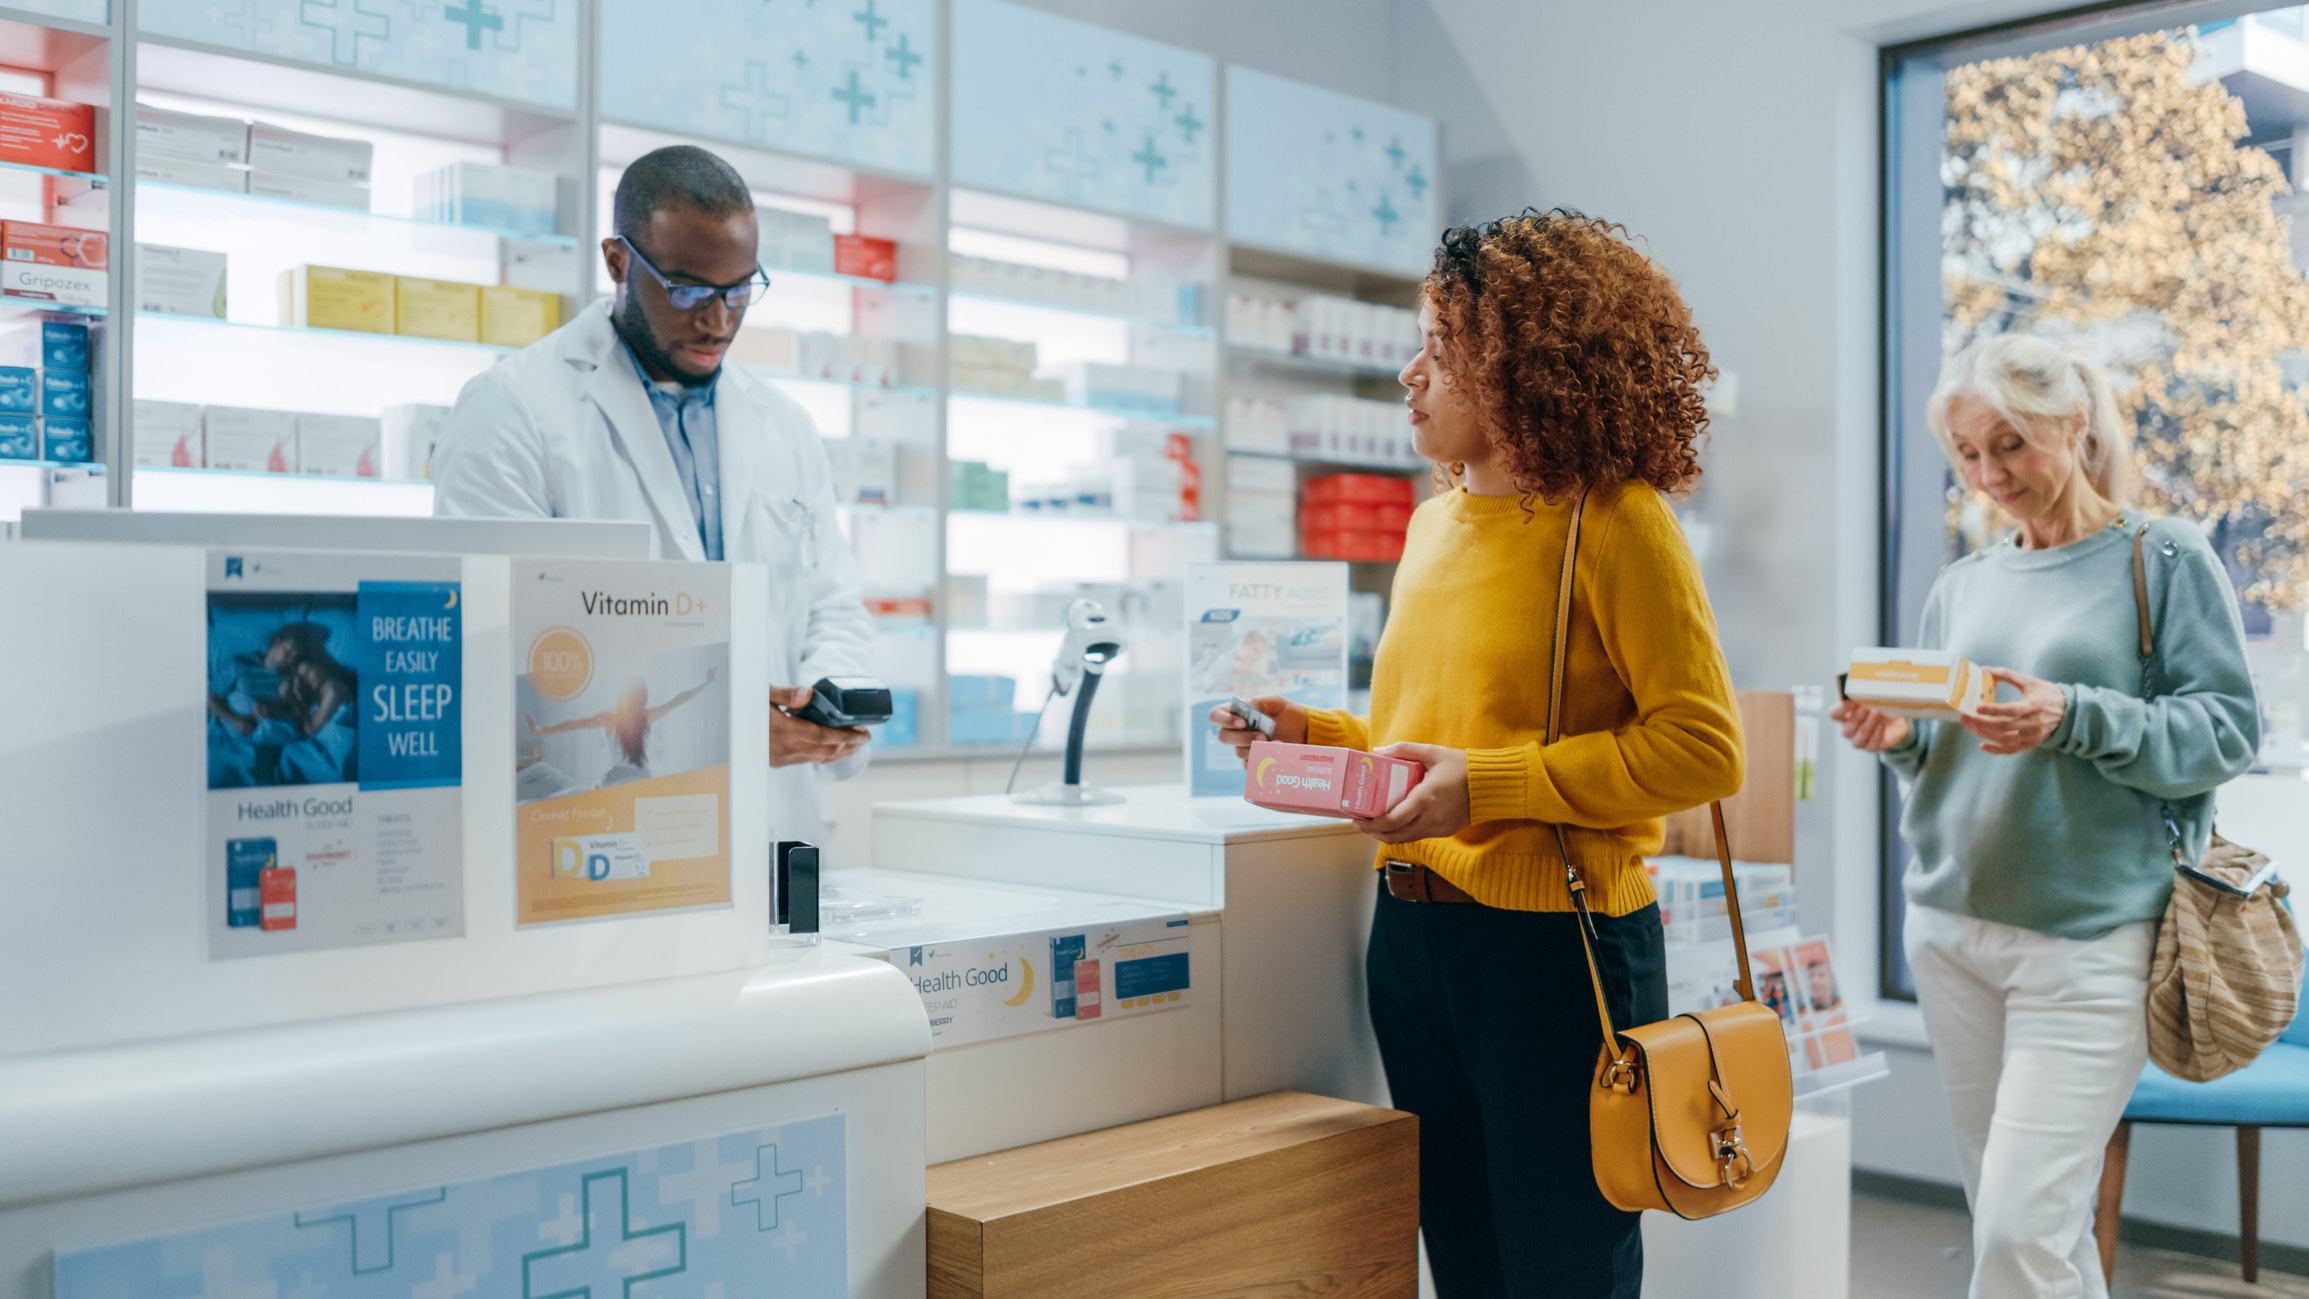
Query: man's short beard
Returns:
{"type": "Point", "coordinates": [633, 327]}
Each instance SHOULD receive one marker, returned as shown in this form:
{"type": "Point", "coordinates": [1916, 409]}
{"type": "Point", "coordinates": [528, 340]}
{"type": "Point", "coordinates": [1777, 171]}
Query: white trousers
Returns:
{"type": "Point", "coordinates": [2039, 1042]}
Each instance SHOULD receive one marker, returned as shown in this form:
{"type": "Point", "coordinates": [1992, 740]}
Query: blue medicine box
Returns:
{"type": "Point", "coordinates": [982, 692]}
{"type": "Point", "coordinates": [19, 389]}
{"type": "Point", "coordinates": [67, 440]}
{"type": "Point", "coordinates": [63, 393]}
{"type": "Point", "coordinates": [19, 440]}
{"type": "Point", "coordinates": [64, 346]}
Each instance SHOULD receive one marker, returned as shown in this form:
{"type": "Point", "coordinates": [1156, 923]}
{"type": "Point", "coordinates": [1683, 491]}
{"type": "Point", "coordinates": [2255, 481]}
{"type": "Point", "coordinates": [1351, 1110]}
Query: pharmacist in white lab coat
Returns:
{"type": "Point", "coordinates": [627, 412]}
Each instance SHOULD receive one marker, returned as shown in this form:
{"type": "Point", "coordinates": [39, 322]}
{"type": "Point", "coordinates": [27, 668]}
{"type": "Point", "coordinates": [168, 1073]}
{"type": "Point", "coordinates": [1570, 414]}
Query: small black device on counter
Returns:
{"type": "Point", "coordinates": [846, 701]}
{"type": "Point", "coordinates": [797, 881]}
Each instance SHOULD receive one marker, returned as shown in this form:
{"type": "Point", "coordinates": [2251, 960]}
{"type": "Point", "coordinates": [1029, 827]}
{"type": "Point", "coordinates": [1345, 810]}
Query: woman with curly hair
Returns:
{"type": "Point", "coordinates": [1561, 372]}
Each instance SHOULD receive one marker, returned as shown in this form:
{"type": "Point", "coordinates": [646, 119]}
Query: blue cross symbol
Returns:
{"type": "Point", "coordinates": [1395, 151]}
{"type": "Point", "coordinates": [605, 1262]}
{"type": "Point", "coordinates": [768, 1179]}
{"type": "Point", "coordinates": [346, 24]}
{"type": "Point", "coordinates": [1189, 123]}
{"type": "Point", "coordinates": [904, 56]}
{"type": "Point", "coordinates": [1149, 159]}
{"type": "Point", "coordinates": [801, 60]}
{"type": "Point", "coordinates": [1358, 133]}
{"type": "Point", "coordinates": [1417, 181]}
{"type": "Point", "coordinates": [873, 22]}
{"type": "Point", "coordinates": [370, 1225]}
{"type": "Point", "coordinates": [755, 100]}
{"type": "Point", "coordinates": [1115, 68]}
{"type": "Point", "coordinates": [477, 18]}
{"type": "Point", "coordinates": [1387, 215]}
{"type": "Point", "coordinates": [854, 97]}
{"type": "Point", "coordinates": [1162, 90]}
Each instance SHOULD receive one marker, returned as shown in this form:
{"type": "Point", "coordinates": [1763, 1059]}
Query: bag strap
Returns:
{"type": "Point", "coordinates": [2148, 684]}
{"type": "Point", "coordinates": [1578, 887]}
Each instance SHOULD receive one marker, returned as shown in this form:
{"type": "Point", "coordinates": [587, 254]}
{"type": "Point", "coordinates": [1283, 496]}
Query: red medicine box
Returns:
{"type": "Point", "coordinates": [47, 133]}
{"type": "Point", "coordinates": [1320, 780]}
{"type": "Point", "coordinates": [52, 263]}
{"type": "Point", "coordinates": [277, 894]}
{"type": "Point", "coordinates": [866, 257]}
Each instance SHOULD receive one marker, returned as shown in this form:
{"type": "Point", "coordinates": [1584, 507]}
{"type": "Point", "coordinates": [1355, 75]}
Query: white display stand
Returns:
{"type": "Point", "coordinates": [147, 1090]}
{"type": "Point", "coordinates": [122, 1143]}
{"type": "Point", "coordinates": [1294, 894]}
{"type": "Point", "coordinates": [1794, 1243]}
{"type": "Point", "coordinates": [102, 773]}
{"type": "Point", "coordinates": [1072, 1076]}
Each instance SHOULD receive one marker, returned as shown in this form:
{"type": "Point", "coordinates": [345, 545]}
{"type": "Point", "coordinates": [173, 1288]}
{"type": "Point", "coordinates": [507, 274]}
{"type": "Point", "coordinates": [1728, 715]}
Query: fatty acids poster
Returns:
{"type": "Point", "coordinates": [1259, 629]}
{"type": "Point", "coordinates": [621, 738]}
{"type": "Point", "coordinates": [335, 751]}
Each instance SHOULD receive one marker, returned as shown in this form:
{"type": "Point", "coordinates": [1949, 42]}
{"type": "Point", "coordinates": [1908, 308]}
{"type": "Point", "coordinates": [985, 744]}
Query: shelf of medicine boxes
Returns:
{"type": "Point", "coordinates": [1248, 356]}
{"type": "Point", "coordinates": [163, 201]}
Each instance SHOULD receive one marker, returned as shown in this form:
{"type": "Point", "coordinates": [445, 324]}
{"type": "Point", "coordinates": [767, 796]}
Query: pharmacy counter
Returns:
{"type": "Point", "coordinates": [748, 1125]}
{"type": "Point", "coordinates": [1293, 896]}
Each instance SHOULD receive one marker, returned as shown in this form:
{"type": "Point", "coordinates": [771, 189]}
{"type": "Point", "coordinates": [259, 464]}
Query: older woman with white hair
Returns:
{"type": "Point", "coordinates": [2043, 858]}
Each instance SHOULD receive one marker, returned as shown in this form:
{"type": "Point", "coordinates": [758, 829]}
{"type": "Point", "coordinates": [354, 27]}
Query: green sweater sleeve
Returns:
{"type": "Point", "coordinates": [2203, 727]}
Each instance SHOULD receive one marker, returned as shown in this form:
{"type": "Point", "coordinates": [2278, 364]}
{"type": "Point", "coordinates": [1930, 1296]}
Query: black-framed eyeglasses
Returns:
{"type": "Point", "coordinates": [689, 297]}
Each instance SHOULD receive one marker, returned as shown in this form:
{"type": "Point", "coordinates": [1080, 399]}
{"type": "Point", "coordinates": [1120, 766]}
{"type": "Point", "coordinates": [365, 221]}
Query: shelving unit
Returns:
{"type": "Point", "coordinates": [921, 552]}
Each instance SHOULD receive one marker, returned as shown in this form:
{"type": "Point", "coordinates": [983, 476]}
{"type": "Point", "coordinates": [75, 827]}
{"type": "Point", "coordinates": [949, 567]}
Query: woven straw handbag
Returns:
{"type": "Point", "coordinates": [1689, 1115]}
{"type": "Point", "coordinates": [2226, 977]}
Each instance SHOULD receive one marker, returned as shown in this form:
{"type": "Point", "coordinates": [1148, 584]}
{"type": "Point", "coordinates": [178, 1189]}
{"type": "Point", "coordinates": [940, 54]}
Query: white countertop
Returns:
{"type": "Point", "coordinates": [81, 1122]}
{"type": "Point", "coordinates": [1147, 812]}
{"type": "Point", "coordinates": [953, 908]}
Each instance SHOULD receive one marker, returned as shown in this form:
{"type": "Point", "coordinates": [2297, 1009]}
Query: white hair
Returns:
{"type": "Point", "coordinates": [2039, 389]}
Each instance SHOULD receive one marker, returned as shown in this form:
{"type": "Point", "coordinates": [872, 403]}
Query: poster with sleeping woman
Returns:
{"type": "Point", "coordinates": [621, 739]}
{"type": "Point", "coordinates": [335, 724]}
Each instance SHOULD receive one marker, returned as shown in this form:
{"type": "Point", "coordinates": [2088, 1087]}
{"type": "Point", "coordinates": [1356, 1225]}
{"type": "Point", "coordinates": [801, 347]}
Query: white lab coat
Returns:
{"type": "Point", "coordinates": [563, 429]}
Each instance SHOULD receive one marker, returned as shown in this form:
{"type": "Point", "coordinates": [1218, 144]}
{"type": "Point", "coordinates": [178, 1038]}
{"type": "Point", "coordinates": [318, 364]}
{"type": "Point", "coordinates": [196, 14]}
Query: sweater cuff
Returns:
{"type": "Point", "coordinates": [1498, 784]}
{"type": "Point", "coordinates": [2062, 734]}
{"type": "Point", "coordinates": [1333, 727]}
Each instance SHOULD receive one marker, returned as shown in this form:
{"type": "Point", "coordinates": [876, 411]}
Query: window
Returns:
{"type": "Point", "coordinates": [2122, 183]}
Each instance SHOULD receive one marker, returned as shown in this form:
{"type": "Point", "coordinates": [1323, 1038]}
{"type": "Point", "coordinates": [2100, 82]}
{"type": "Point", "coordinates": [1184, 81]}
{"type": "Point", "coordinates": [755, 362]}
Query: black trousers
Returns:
{"type": "Point", "coordinates": [1488, 1031]}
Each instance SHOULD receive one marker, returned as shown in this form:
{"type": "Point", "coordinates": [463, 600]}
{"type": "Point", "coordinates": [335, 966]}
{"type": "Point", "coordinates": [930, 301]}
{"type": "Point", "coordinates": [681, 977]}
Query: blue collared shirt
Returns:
{"type": "Point", "coordinates": [686, 416]}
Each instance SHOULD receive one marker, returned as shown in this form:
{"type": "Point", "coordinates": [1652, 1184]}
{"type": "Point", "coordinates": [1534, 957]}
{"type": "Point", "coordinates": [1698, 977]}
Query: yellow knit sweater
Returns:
{"type": "Point", "coordinates": [1650, 723]}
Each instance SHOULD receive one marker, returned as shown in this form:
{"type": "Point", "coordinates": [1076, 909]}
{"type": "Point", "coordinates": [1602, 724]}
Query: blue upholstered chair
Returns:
{"type": "Point", "coordinates": [2272, 1092]}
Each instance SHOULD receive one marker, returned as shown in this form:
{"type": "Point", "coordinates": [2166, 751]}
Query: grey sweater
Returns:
{"type": "Point", "coordinates": [2065, 839]}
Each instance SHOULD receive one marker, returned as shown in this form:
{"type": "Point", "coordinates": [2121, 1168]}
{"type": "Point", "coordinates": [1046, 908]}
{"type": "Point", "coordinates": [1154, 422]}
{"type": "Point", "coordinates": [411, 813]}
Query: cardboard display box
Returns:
{"type": "Point", "coordinates": [1281, 1194]}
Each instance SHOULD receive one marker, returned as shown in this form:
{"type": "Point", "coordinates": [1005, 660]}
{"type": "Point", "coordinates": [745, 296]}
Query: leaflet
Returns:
{"type": "Point", "coordinates": [1259, 629]}
{"type": "Point", "coordinates": [335, 751]}
{"type": "Point", "coordinates": [621, 736]}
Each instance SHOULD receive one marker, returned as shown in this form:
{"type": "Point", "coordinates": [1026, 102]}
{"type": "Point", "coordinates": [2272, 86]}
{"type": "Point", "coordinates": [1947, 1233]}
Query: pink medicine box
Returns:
{"type": "Point", "coordinates": [1319, 780]}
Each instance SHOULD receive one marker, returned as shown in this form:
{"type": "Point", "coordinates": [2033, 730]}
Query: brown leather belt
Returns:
{"type": "Point", "coordinates": [1412, 882]}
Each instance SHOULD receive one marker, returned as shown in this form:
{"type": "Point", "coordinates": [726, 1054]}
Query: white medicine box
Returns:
{"type": "Point", "coordinates": [250, 440]}
{"type": "Point", "coordinates": [180, 281]}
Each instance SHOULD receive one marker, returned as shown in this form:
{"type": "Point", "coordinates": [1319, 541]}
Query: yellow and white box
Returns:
{"type": "Point", "coordinates": [600, 857]}
{"type": "Point", "coordinates": [512, 317]}
{"type": "Point", "coordinates": [437, 309]}
{"type": "Point", "coordinates": [1933, 685]}
{"type": "Point", "coordinates": [334, 297]}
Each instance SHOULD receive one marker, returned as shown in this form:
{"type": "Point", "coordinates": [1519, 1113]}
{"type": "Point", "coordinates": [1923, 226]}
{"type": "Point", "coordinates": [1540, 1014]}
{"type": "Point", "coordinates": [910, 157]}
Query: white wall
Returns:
{"type": "Point", "coordinates": [1739, 142]}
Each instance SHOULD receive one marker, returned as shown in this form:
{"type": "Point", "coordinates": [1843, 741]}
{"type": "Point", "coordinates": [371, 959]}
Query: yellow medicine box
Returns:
{"type": "Point", "coordinates": [1932, 684]}
{"type": "Point", "coordinates": [332, 297]}
{"type": "Point", "coordinates": [512, 317]}
{"type": "Point", "coordinates": [437, 309]}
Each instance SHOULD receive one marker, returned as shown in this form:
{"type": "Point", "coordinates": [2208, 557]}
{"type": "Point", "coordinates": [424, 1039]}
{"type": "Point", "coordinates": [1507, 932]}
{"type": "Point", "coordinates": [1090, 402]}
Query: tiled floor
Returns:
{"type": "Point", "coordinates": [1911, 1251]}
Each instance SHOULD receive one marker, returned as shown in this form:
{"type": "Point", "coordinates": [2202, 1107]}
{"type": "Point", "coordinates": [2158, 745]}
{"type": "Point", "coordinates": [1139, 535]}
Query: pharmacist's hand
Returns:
{"type": "Point", "coordinates": [1436, 808]}
{"type": "Point", "coordinates": [1290, 724]}
{"type": "Point", "coordinates": [2024, 723]}
{"type": "Point", "coordinates": [1868, 730]}
{"type": "Point", "coordinates": [794, 741]}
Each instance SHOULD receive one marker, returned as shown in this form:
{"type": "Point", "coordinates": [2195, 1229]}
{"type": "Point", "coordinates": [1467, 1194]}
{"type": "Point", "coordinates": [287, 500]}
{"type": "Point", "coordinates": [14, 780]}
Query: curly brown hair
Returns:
{"type": "Point", "coordinates": [1577, 350]}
